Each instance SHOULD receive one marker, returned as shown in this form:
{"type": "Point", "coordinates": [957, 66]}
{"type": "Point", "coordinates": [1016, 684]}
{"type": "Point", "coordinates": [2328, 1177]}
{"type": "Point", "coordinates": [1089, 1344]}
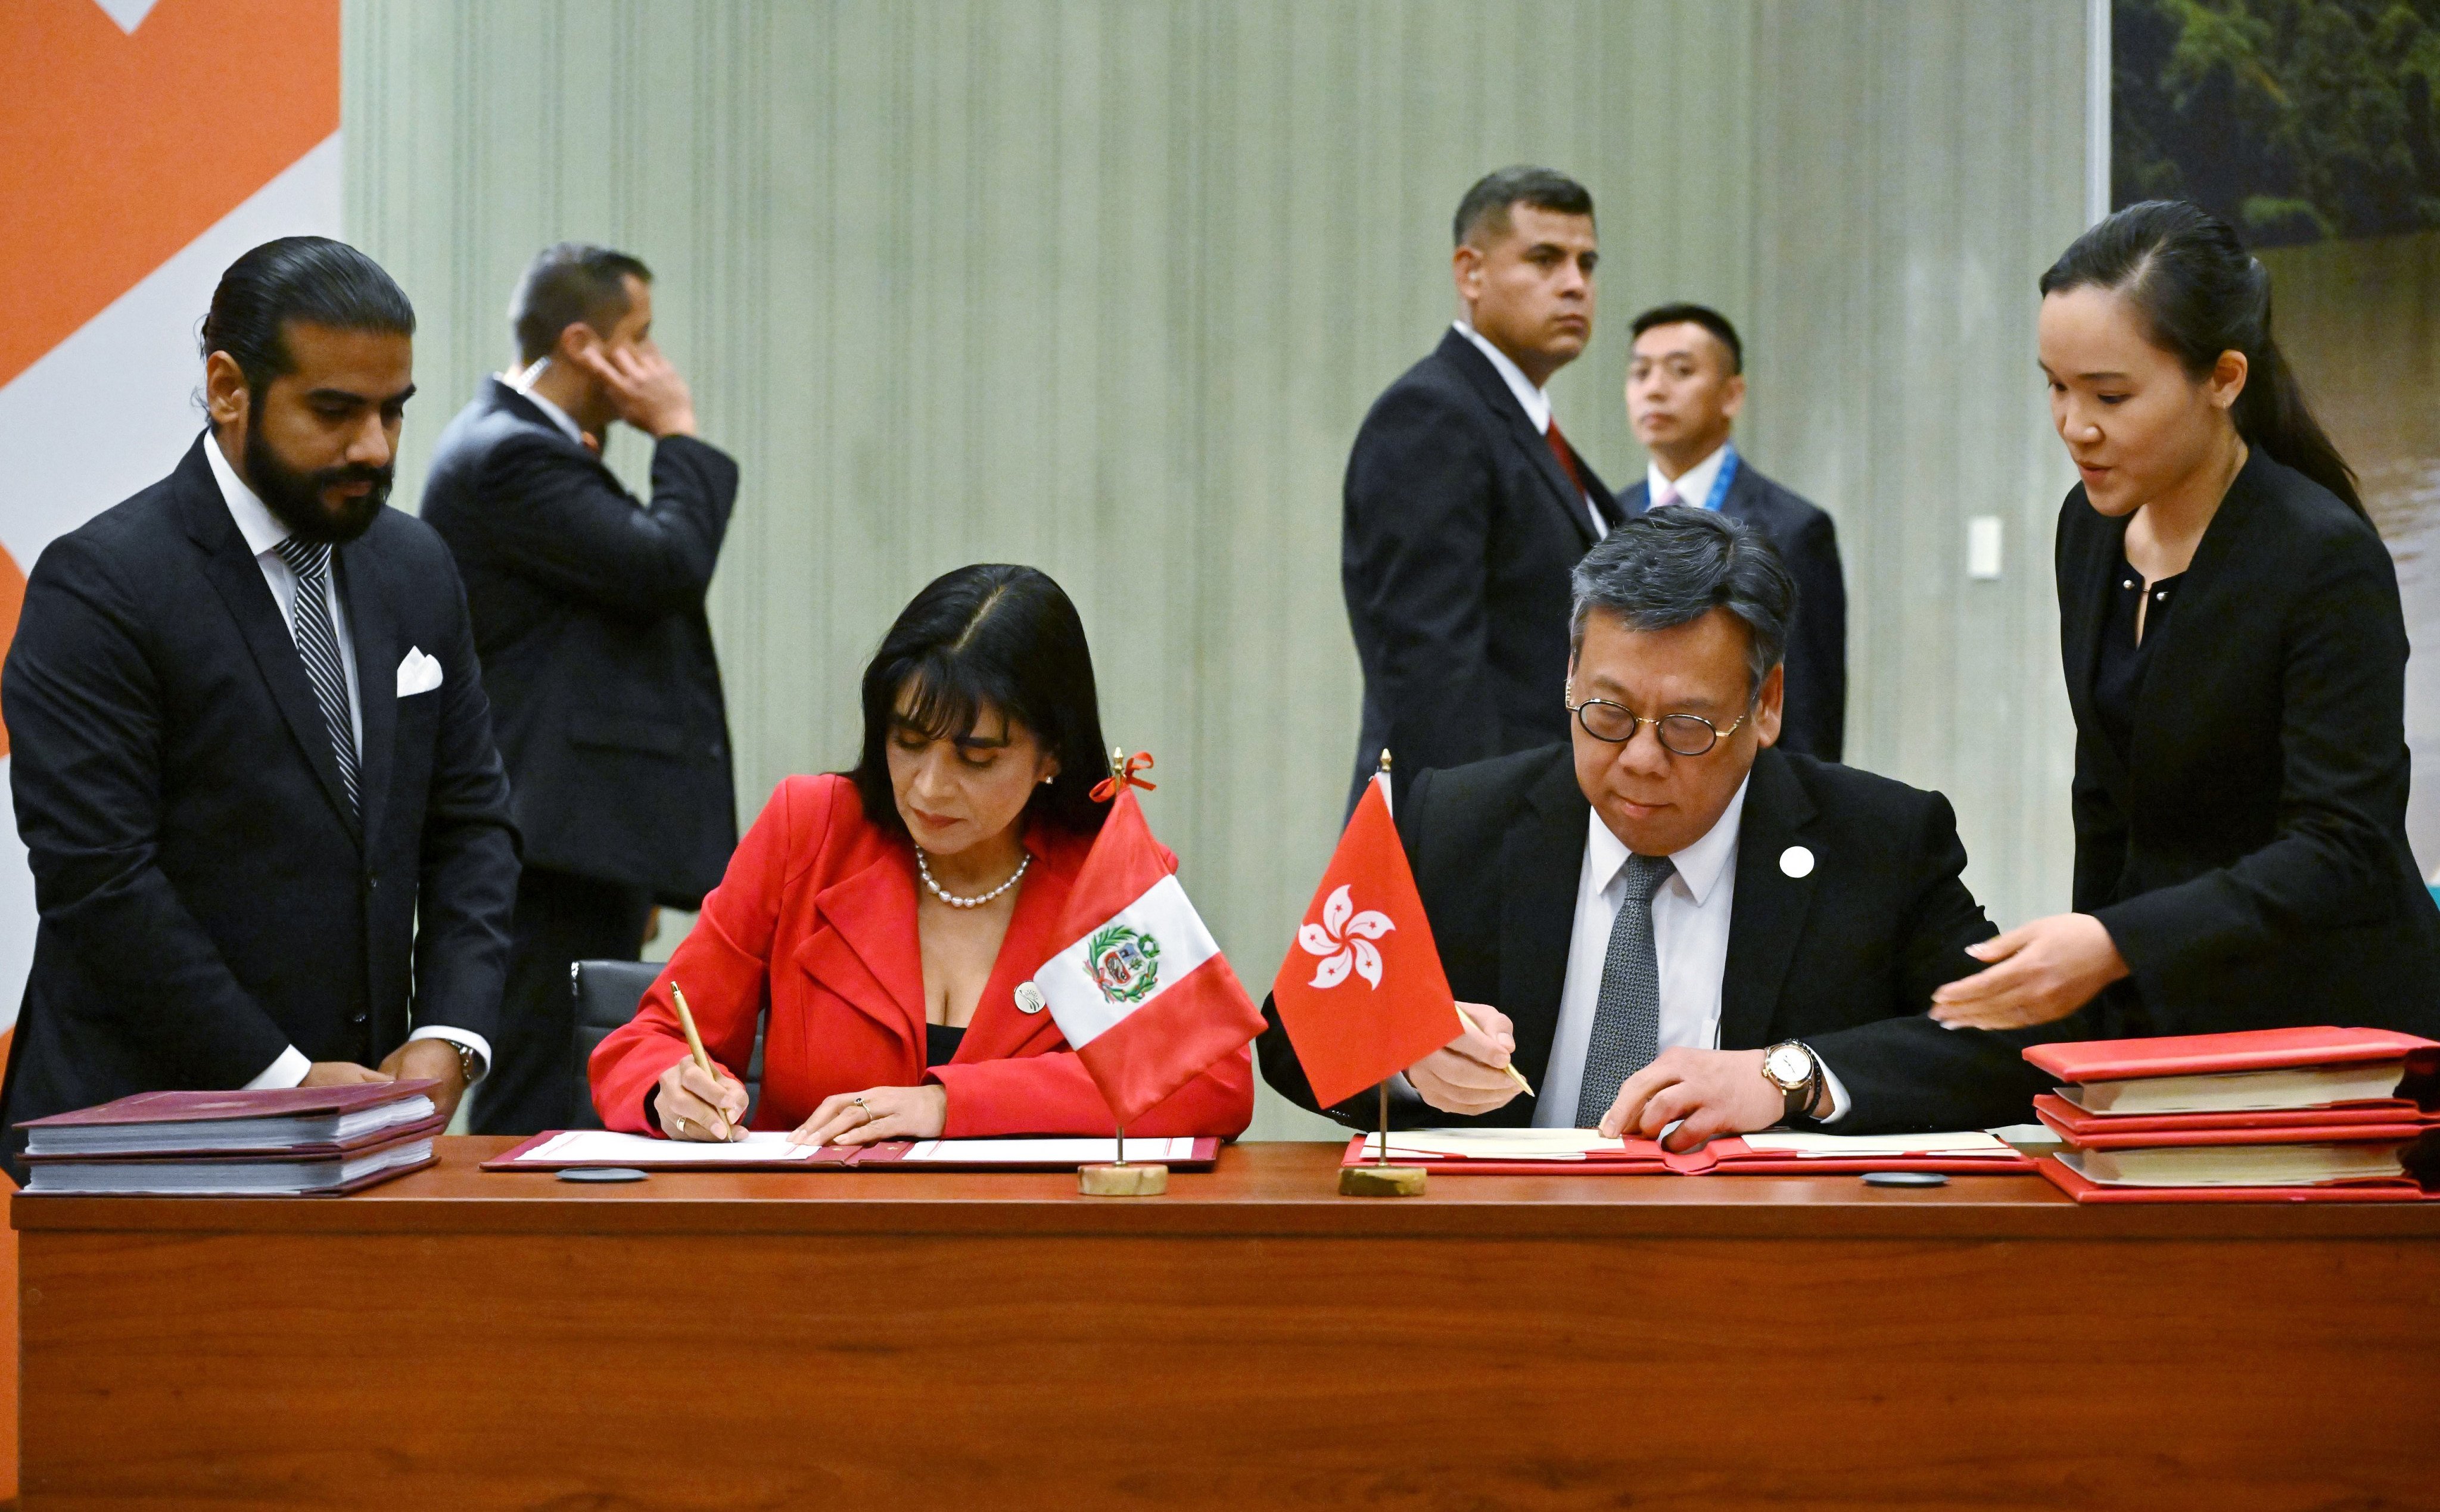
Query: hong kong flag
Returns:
{"type": "Point", "coordinates": [1140, 991]}
{"type": "Point", "coordinates": [1362, 993]}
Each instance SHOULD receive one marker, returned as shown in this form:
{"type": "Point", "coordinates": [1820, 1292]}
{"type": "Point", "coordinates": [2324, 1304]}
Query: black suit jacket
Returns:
{"type": "Point", "coordinates": [1846, 958]}
{"type": "Point", "coordinates": [1814, 719]}
{"type": "Point", "coordinates": [1459, 531]}
{"type": "Point", "coordinates": [206, 899]}
{"type": "Point", "coordinates": [2250, 859]}
{"type": "Point", "coordinates": [589, 614]}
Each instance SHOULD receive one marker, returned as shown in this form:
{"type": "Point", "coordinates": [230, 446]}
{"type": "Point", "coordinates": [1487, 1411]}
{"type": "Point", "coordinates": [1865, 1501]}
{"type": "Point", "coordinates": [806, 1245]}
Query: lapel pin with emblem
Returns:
{"type": "Point", "coordinates": [1796, 861]}
{"type": "Point", "coordinates": [1029, 997]}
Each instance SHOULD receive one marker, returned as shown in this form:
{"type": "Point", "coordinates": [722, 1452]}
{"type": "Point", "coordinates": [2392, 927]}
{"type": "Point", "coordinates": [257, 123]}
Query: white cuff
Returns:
{"type": "Point", "coordinates": [472, 1040]}
{"type": "Point", "coordinates": [288, 1071]}
{"type": "Point", "coordinates": [1838, 1091]}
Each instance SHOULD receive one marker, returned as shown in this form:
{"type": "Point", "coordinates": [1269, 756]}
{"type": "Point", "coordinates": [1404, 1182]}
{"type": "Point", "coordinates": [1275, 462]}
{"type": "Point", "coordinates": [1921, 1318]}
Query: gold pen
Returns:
{"type": "Point", "coordinates": [1466, 1019]}
{"type": "Point", "coordinates": [702, 1056]}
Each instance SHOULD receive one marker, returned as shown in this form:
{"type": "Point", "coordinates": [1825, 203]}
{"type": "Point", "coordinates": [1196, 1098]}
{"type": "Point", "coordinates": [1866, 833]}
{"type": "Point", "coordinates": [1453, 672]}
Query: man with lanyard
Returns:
{"type": "Point", "coordinates": [1685, 384]}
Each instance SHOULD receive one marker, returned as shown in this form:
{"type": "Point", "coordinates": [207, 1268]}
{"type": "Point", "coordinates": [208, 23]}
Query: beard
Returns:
{"type": "Point", "coordinates": [295, 497]}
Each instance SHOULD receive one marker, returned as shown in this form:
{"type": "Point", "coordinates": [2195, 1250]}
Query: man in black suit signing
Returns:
{"type": "Point", "coordinates": [588, 607]}
{"type": "Point", "coordinates": [1685, 384]}
{"type": "Point", "coordinates": [1466, 507]}
{"type": "Point", "coordinates": [252, 761]}
{"type": "Point", "coordinates": [1669, 918]}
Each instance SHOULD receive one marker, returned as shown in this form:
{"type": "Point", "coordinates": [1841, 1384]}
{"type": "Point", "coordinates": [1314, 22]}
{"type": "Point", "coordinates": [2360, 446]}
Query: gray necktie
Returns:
{"type": "Point", "coordinates": [318, 643]}
{"type": "Point", "coordinates": [1626, 1019]}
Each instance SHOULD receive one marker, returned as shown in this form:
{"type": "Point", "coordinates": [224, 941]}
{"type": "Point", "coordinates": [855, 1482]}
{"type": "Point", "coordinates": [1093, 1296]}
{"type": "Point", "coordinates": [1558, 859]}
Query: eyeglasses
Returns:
{"type": "Point", "coordinates": [1685, 735]}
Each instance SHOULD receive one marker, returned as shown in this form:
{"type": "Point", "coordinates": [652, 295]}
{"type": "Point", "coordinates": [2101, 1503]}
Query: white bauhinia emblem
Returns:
{"type": "Point", "coordinates": [1344, 939]}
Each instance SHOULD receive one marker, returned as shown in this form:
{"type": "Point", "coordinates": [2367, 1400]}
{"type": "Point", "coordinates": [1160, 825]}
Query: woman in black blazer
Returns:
{"type": "Point", "coordinates": [2237, 662]}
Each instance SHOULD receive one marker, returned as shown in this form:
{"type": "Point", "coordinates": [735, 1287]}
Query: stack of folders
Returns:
{"type": "Point", "coordinates": [286, 1142]}
{"type": "Point", "coordinates": [2313, 1115]}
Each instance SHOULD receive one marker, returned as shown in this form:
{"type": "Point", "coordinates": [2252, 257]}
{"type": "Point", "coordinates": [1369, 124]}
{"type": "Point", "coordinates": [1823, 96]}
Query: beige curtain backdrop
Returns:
{"type": "Point", "coordinates": [1107, 288]}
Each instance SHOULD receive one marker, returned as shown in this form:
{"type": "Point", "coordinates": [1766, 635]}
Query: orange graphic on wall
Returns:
{"type": "Point", "coordinates": [122, 148]}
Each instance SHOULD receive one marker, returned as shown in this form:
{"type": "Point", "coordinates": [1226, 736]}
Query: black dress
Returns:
{"type": "Point", "coordinates": [2241, 777]}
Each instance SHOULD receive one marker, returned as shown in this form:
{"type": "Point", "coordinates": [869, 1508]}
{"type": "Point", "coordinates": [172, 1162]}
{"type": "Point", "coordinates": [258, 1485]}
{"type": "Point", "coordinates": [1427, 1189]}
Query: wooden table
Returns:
{"type": "Point", "coordinates": [884, 1341]}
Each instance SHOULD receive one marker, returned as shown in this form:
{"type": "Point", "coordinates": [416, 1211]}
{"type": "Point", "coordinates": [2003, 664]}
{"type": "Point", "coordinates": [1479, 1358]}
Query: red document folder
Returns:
{"type": "Point", "coordinates": [1721, 1157]}
{"type": "Point", "coordinates": [1641, 1157]}
{"type": "Point", "coordinates": [2203, 1055]}
{"type": "Point", "coordinates": [2390, 1189]}
{"type": "Point", "coordinates": [2391, 1120]}
{"type": "Point", "coordinates": [1734, 1157]}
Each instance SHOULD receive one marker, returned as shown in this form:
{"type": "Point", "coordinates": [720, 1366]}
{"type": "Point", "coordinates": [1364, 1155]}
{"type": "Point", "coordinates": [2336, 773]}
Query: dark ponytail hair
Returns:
{"type": "Point", "coordinates": [990, 633]}
{"type": "Point", "coordinates": [2201, 294]}
{"type": "Point", "coordinates": [314, 279]}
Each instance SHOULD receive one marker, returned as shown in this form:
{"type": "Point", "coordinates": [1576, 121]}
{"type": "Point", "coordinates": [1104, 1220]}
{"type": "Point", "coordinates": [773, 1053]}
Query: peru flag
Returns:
{"type": "Point", "coordinates": [1362, 994]}
{"type": "Point", "coordinates": [1141, 990]}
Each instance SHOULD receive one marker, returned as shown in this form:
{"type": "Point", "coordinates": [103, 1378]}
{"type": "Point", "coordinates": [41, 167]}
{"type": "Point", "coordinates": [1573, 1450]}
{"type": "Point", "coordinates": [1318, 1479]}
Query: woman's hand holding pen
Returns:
{"type": "Point", "coordinates": [2041, 971]}
{"type": "Point", "coordinates": [693, 1106]}
{"type": "Point", "coordinates": [878, 1113]}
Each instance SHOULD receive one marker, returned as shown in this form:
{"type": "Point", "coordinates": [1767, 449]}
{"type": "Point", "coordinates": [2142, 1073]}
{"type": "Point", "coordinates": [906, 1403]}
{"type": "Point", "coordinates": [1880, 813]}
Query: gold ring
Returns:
{"type": "Point", "coordinates": [681, 1125]}
{"type": "Point", "coordinates": [868, 1115]}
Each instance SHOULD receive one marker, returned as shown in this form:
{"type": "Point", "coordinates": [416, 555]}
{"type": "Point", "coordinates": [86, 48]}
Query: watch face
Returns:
{"type": "Point", "coordinates": [1787, 1065]}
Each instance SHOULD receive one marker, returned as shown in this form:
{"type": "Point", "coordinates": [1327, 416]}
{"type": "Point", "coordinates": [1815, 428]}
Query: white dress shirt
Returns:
{"type": "Point", "coordinates": [1693, 486]}
{"type": "Point", "coordinates": [1536, 404]}
{"type": "Point", "coordinates": [263, 533]}
{"type": "Point", "coordinates": [1689, 937]}
{"type": "Point", "coordinates": [522, 380]}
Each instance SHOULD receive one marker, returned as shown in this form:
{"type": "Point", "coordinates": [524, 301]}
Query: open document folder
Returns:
{"type": "Point", "coordinates": [769, 1150]}
{"type": "Point", "coordinates": [1583, 1152]}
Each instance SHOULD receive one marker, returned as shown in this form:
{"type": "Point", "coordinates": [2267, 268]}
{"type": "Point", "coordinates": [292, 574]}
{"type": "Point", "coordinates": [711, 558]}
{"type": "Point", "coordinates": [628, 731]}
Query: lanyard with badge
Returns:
{"type": "Point", "coordinates": [1728, 475]}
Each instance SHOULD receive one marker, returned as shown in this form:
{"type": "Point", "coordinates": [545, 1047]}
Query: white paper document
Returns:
{"type": "Point", "coordinates": [600, 1147]}
{"type": "Point", "coordinates": [1044, 1151]}
{"type": "Point", "coordinates": [1835, 1147]}
{"type": "Point", "coordinates": [1495, 1143]}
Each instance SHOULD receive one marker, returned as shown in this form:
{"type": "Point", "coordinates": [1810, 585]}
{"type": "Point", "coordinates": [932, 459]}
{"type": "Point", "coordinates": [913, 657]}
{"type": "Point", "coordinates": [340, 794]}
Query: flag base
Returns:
{"type": "Point", "coordinates": [1131, 1180]}
{"type": "Point", "coordinates": [1381, 1181]}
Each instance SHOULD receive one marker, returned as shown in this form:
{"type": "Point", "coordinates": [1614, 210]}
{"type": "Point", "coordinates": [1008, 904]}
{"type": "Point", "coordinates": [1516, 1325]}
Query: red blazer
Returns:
{"type": "Point", "coordinates": [816, 921]}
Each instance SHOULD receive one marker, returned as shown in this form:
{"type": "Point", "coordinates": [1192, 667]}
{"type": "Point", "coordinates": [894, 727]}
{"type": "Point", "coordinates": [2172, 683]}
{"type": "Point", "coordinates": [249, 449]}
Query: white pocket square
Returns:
{"type": "Point", "coordinates": [418, 673]}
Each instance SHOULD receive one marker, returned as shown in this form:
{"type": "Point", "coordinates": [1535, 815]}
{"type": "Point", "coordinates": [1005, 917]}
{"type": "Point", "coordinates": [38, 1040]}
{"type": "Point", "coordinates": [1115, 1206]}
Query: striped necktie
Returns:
{"type": "Point", "coordinates": [1626, 1018]}
{"type": "Point", "coordinates": [317, 645]}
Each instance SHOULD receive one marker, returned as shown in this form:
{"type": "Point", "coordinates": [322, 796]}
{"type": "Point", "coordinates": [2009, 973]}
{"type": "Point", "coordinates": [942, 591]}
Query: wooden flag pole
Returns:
{"type": "Point", "coordinates": [1381, 1178]}
{"type": "Point", "coordinates": [1117, 1178]}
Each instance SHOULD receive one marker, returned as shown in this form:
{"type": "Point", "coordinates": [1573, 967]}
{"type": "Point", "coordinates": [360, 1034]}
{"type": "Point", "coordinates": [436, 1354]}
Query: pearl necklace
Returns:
{"type": "Point", "coordinates": [953, 900]}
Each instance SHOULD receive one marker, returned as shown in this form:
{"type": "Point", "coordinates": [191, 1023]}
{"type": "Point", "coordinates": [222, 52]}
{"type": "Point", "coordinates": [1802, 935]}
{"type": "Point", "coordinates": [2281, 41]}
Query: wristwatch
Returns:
{"type": "Point", "coordinates": [470, 1066]}
{"type": "Point", "coordinates": [1796, 1071]}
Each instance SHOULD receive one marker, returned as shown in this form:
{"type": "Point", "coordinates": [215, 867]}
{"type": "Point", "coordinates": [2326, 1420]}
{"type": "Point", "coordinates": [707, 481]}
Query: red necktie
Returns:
{"type": "Point", "coordinates": [1567, 456]}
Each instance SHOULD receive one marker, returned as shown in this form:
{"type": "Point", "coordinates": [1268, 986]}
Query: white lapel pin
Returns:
{"type": "Point", "coordinates": [1796, 861]}
{"type": "Point", "coordinates": [1029, 997]}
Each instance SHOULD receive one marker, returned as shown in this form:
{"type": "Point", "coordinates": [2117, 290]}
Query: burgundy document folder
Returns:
{"type": "Point", "coordinates": [388, 1139]}
{"type": "Point", "coordinates": [273, 1102]}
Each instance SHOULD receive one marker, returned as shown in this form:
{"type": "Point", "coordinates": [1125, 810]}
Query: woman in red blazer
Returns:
{"type": "Point", "coordinates": [886, 918]}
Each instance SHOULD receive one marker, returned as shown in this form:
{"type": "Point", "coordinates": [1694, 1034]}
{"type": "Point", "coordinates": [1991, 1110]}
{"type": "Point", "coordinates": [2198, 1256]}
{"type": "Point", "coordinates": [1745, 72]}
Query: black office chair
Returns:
{"type": "Point", "coordinates": [607, 995]}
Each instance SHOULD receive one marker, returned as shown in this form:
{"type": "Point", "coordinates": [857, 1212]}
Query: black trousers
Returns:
{"type": "Point", "coordinates": [534, 1081]}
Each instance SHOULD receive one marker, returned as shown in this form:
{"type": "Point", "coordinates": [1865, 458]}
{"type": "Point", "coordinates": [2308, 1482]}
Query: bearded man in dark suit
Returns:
{"type": "Point", "coordinates": [251, 756]}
